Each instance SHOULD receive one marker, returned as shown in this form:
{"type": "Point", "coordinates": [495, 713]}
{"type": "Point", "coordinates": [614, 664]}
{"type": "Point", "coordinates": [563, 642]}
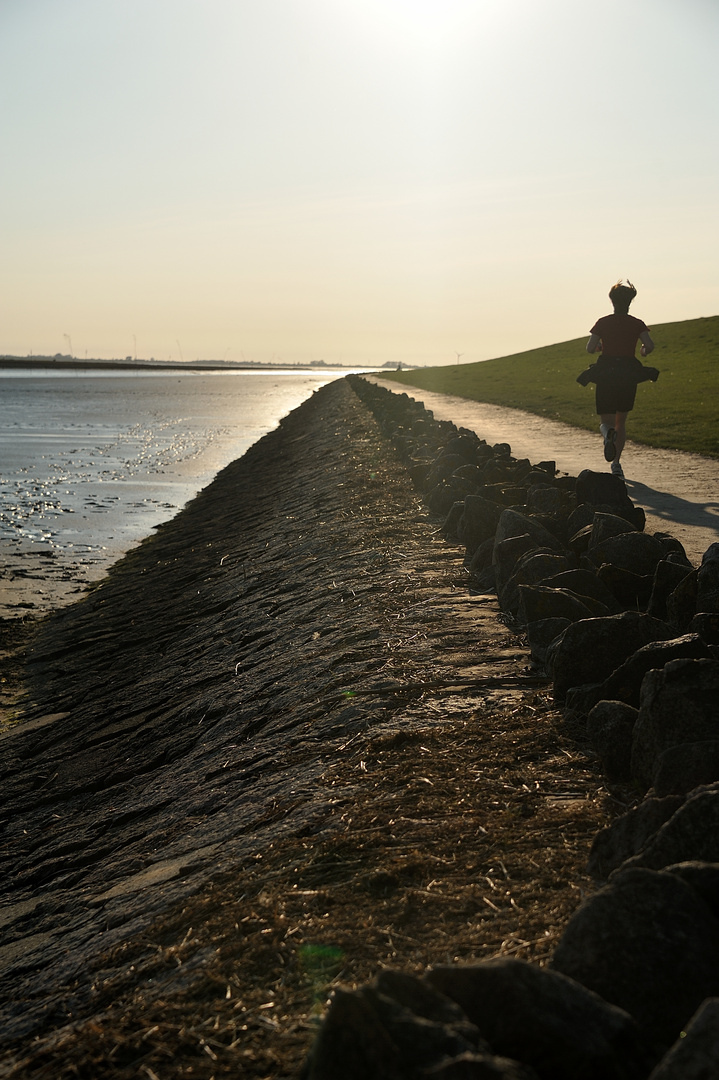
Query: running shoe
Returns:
{"type": "Point", "coordinates": [617, 470]}
{"type": "Point", "coordinates": [610, 450]}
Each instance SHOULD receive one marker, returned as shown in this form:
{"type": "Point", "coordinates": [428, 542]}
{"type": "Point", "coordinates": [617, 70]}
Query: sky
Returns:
{"type": "Point", "coordinates": [358, 181]}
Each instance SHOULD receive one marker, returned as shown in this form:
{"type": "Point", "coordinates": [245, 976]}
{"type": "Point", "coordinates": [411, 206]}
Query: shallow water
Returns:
{"type": "Point", "coordinates": [91, 462]}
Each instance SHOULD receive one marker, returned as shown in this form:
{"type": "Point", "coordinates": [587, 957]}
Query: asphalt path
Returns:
{"type": "Point", "coordinates": [679, 492]}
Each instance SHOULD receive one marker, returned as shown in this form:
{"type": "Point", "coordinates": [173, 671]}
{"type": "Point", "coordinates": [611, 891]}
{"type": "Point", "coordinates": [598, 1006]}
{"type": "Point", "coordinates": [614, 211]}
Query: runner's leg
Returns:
{"type": "Point", "coordinates": [620, 426]}
{"type": "Point", "coordinates": [608, 434]}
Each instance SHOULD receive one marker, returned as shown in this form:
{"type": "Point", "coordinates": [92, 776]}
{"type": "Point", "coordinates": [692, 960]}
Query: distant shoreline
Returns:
{"type": "Point", "coordinates": [144, 365]}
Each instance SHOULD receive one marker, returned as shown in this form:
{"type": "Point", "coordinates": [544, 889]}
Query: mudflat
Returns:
{"type": "Point", "coordinates": [280, 746]}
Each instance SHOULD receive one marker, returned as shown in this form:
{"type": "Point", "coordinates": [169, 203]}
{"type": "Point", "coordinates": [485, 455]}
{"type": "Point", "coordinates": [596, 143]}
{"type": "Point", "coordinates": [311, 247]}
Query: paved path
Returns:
{"type": "Point", "coordinates": [679, 492]}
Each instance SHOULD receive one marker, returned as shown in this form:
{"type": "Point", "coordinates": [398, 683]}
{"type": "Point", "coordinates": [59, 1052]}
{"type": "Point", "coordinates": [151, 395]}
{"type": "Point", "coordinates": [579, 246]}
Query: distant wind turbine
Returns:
{"type": "Point", "coordinates": [458, 354]}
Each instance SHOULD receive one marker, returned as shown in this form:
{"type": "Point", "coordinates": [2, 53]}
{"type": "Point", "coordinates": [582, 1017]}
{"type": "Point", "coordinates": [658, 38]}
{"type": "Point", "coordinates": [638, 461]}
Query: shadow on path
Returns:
{"type": "Point", "coordinates": [675, 510]}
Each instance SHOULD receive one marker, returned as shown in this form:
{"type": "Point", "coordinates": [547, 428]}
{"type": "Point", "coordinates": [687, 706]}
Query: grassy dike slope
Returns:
{"type": "Point", "coordinates": [679, 412]}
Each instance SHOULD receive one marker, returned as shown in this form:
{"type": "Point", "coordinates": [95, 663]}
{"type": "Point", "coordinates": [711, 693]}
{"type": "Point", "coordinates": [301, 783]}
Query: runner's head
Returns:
{"type": "Point", "coordinates": [621, 296]}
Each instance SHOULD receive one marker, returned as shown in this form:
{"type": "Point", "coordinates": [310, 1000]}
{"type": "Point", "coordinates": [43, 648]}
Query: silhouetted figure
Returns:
{"type": "Point", "coordinates": [618, 371]}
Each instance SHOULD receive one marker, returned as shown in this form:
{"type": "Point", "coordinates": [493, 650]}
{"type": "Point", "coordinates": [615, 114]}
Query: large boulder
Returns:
{"type": "Point", "coordinates": [648, 943]}
{"type": "Point", "coordinates": [682, 768]}
{"type": "Point", "coordinates": [585, 583]}
{"type": "Point", "coordinates": [708, 585]}
{"type": "Point", "coordinates": [531, 569]}
{"type": "Point", "coordinates": [609, 728]}
{"type": "Point", "coordinates": [628, 834]}
{"type": "Point", "coordinates": [703, 878]}
{"type": "Point", "coordinates": [605, 526]}
{"type": "Point", "coordinates": [625, 683]}
{"type": "Point", "coordinates": [541, 1018]}
{"type": "Point", "coordinates": [478, 522]}
{"type": "Point", "coordinates": [513, 523]}
{"type": "Point", "coordinates": [542, 634]}
{"type": "Point", "coordinates": [695, 1054]}
{"type": "Point", "coordinates": [637, 552]}
{"type": "Point", "coordinates": [591, 650]}
{"type": "Point", "coordinates": [690, 834]}
{"type": "Point", "coordinates": [608, 492]}
{"type": "Point", "coordinates": [682, 601]}
{"type": "Point", "coordinates": [679, 704]}
{"type": "Point", "coordinates": [507, 553]}
{"type": "Point", "coordinates": [368, 1033]}
{"type": "Point", "coordinates": [631, 590]}
{"type": "Point", "coordinates": [537, 602]}
{"type": "Point", "coordinates": [667, 576]}
{"type": "Point", "coordinates": [706, 624]}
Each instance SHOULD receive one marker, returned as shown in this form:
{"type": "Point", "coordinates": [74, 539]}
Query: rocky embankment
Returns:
{"type": "Point", "coordinates": [202, 708]}
{"type": "Point", "coordinates": [628, 631]}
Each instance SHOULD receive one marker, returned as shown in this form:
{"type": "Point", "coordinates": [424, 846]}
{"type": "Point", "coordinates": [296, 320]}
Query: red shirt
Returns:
{"type": "Point", "coordinates": [619, 334]}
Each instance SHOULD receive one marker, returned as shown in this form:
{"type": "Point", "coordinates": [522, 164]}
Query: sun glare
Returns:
{"type": "Point", "coordinates": [422, 22]}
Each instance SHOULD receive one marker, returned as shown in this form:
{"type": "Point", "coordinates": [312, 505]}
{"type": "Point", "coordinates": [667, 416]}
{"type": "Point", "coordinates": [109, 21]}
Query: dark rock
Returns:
{"type": "Point", "coordinates": [581, 516]}
{"type": "Point", "coordinates": [625, 683]}
{"type": "Point", "coordinates": [631, 590]}
{"type": "Point", "coordinates": [628, 834]}
{"type": "Point", "coordinates": [636, 552]}
{"type": "Point", "coordinates": [708, 585]}
{"type": "Point", "coordinates": [468, 472]}
{"type": "Point", "coordinates": [682, 602]}
{"type": "Point", "coordinates": [449, 529]}
{"type": "Point", "coordinates": [536, 1016]}
{"type": "Point", "coordinates": [679, 704]}
{"type": "Point", "coordinates": [537, 602]}
{"type": "Point", "coordinates": [703, 878]}
{"type": "Point", "coordinates": [609, 728]}
{"type": "Point", "coordinates": [649, 944]}
{"type": "Point", "coordinates": [608, 491]}
{"type": "Point", "coordinates": [682, 768]}
{"type": "Point", "coordinates": [480, 1067]}
{"type": "Point", "coordinates": [497, 472]}
{"type": "Point", "coordinates": [585, 583]}
{"type": "Point", "coordinates": [674, 549]}
{"type": "Point", "coordinates": [478, 522]}
{"type": "Point", "coordinates": [419, 472]}
{"type": "Point", "coordinates": [367, 1034]}
{"type": "Point", "coordinates": [511, 523]}
{"type": "Point", "coordinates": [532, 568]}
{"type": "Point", "coordinates": [541, 634]}
{"type": "Point", "coordinates": [441, 497]}
{"type": "Point", "coordinates": [706, 624]}
{"type": "Point", "coordinates": [605, 526]}
{"type": "Point", "coordinates": [695, 1054]}
{"type": "Point", "coordinates": [578, 542]}
{"type": "Point", "coordinates": [691, 833]}
{"type": "Point", "coordinates": [482, 556]}
{"type": "Point", "coordinates": [507, 554]}
{"type": "Point", "coordinates": [423, 1000]}
{"type": "Point", "coordinates": [712, 552]}
{"type": "Point", "coordinates": [667, 576]}
{"type": "Point", "coordinates": [544, 499]}
{"type": "Point", "coordinates": [445, 464]}
{"type": "Point", "coordinates": [463, 446]}
{"type": "Point", "coordinates": [592, 649]}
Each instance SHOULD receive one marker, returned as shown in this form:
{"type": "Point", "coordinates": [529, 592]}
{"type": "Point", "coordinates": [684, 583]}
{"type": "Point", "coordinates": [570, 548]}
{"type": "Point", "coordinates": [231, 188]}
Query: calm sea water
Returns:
{"type": "Point", "coordinates": [91, 462]}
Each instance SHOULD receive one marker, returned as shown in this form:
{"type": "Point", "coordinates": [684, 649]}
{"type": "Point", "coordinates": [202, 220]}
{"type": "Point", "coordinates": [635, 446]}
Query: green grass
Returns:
{"type": "Point", "coordinates": [679, 412]}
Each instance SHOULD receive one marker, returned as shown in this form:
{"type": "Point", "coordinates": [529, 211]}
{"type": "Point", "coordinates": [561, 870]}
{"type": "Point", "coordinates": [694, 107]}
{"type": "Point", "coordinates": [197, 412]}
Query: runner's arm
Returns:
{"type": "Point", "coordinates": [647, 343]}
{"type": "Point", "coordinates": [595, 343]}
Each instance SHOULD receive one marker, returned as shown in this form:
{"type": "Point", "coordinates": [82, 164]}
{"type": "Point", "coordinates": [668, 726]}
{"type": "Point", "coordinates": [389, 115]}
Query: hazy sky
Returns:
{"type": "Point", "coordinates": [369, 180]}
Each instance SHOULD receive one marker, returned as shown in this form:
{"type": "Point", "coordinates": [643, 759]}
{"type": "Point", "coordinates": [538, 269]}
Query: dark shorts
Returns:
{"type": "Point", "coordinates": [616, 385]}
